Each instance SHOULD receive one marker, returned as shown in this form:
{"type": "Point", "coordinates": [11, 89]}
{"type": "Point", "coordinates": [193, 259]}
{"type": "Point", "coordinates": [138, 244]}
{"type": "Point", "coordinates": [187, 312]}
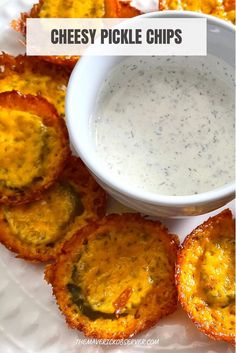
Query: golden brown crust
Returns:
{"type": "Point", "coordinates": [21, 63]}
{"type": "Point", "coordinates": [224, 9]}
{"type": "Point", "coordinates": [67, 61]}
{"type": "Point", "coordinates": [42, 108]}
{"type": "Point", "coordinates": [20, 24]}
{"type": "Point", "coordinates": [128, 11]}
{"type": "Point", "coordinates": [199, 311]}
{"type": "Point", "coordinates": [93, 203]}
{"type": "Point", "coordinates": [158, 302]}
{"type": "Point", "coordinates": [29, 75]}
{"type": "Point", "coordinates": [112, 8]}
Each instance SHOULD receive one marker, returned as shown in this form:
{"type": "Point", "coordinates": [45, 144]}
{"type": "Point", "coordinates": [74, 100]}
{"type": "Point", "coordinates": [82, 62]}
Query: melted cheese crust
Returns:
{"type": "Point", "coordinates": [37, 230]}
{"type": "Point", "coordinates": [131, 261]}
{"type": "Point", "coordinates": [46, 221]}
{"type": "Point", "coordinates": [224, 9]}
{"type": "Point", "coordinates": [33, 147]}
{"type": "Point", "coordinates": [217, 269]}
{"type": "Point", "coordinates": [205, 277]}
{"type": "Point", "coordinates": [25, 153]}
{"type": "Point", "coordinates": [29, 75]}
{"type": "Point", "coordinates": [22, 150]}
{"type": "Point", "coordinates": [115, 277]}
{"type": "Point", "coordinates": [72, 8]}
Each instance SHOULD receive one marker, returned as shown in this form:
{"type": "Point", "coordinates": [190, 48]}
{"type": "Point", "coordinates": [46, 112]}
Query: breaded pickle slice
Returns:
{"type": "Point", "coordinates": [30, 75]}
{"type": "Point", "coordinates": [115, 277]}
{"type": "Point", "coordinates": [74, 9]}
{"type": "Point", "coordinates": [33, 146]}
{"type": "Point", "coordinates": [205, 277]}
{"type": "Point", "coordinates": [36, 231]}
{"type": "Point", "coordinates": [224, 9]}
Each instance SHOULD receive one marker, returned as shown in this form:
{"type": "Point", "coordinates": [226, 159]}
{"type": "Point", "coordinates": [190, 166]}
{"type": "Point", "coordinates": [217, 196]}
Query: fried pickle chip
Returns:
{"type": "Point", "coordinates": [37, 230]}
{"type": "Point", "coordinates": [115, 278]}
{"type": "Point", "coordinates": [224, 9]}
{"type": "Point", "coordinates": [74, 9]}
{"type": "Point", "coordinates": [205, 277]}
{"type": "Point", "coordinates": [33, 146]}
{"type": "Point", "coordinates": [30, 75]}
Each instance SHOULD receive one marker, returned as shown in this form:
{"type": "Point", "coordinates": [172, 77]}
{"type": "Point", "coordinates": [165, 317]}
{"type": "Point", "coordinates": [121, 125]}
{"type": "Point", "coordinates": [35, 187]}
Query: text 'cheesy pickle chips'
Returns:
{"type": "Point", "coordinates": [74, 9]}
{"type": "Point", "coordinates": [36, 231]}
{"type": "Point", "coordinates": [205, 277]}
{"type": "Point", "coordinates": [33, 146]}
{"type": "Point", "coordinates": [115, 278]}
{"type": "Point", "coordinates": [30, 75]}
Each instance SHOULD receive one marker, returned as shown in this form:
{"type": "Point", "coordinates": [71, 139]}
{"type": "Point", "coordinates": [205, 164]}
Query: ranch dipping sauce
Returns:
{"type": "Point", "coordinates": [166, 124]}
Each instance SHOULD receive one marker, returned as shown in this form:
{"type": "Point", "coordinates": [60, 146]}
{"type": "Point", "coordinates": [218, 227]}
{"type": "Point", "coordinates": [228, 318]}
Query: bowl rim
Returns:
{"type": "Point", "coordinates": [226, 191]}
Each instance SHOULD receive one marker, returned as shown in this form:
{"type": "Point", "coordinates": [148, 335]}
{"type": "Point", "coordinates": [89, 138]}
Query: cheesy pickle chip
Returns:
{"type": "Point", "coordinates": [74, 9]}
{"type": "Point", "coordinates": [30, 75]}
{"type": "Point", "coordinates": [37, 230]}
{"type": "Point", "coordinates": [224, 9]}
{"type": "Point", "coordinates": [205, 277]}
{"type": "Point", "coordinates": [115, 277]}
{"type": "Point", "coordinates": [33, 146]}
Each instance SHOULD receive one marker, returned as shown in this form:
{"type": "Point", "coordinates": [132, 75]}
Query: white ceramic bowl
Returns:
{"type": "Point", "coordinates": [83, 87]}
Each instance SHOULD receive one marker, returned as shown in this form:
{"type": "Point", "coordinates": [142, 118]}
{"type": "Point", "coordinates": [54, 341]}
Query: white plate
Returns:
{"type": "Point", "coordinates": [30, 321]}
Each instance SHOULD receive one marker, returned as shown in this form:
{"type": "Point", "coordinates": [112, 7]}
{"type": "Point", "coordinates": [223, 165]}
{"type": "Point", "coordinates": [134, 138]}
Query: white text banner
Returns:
{"type": "Point", "coordinates": [136, 36]}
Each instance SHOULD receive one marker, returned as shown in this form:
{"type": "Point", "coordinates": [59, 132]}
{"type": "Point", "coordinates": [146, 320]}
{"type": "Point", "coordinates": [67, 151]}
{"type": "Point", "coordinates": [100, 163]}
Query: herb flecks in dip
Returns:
{"type": "Point", "coordinates": [166, 125]}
